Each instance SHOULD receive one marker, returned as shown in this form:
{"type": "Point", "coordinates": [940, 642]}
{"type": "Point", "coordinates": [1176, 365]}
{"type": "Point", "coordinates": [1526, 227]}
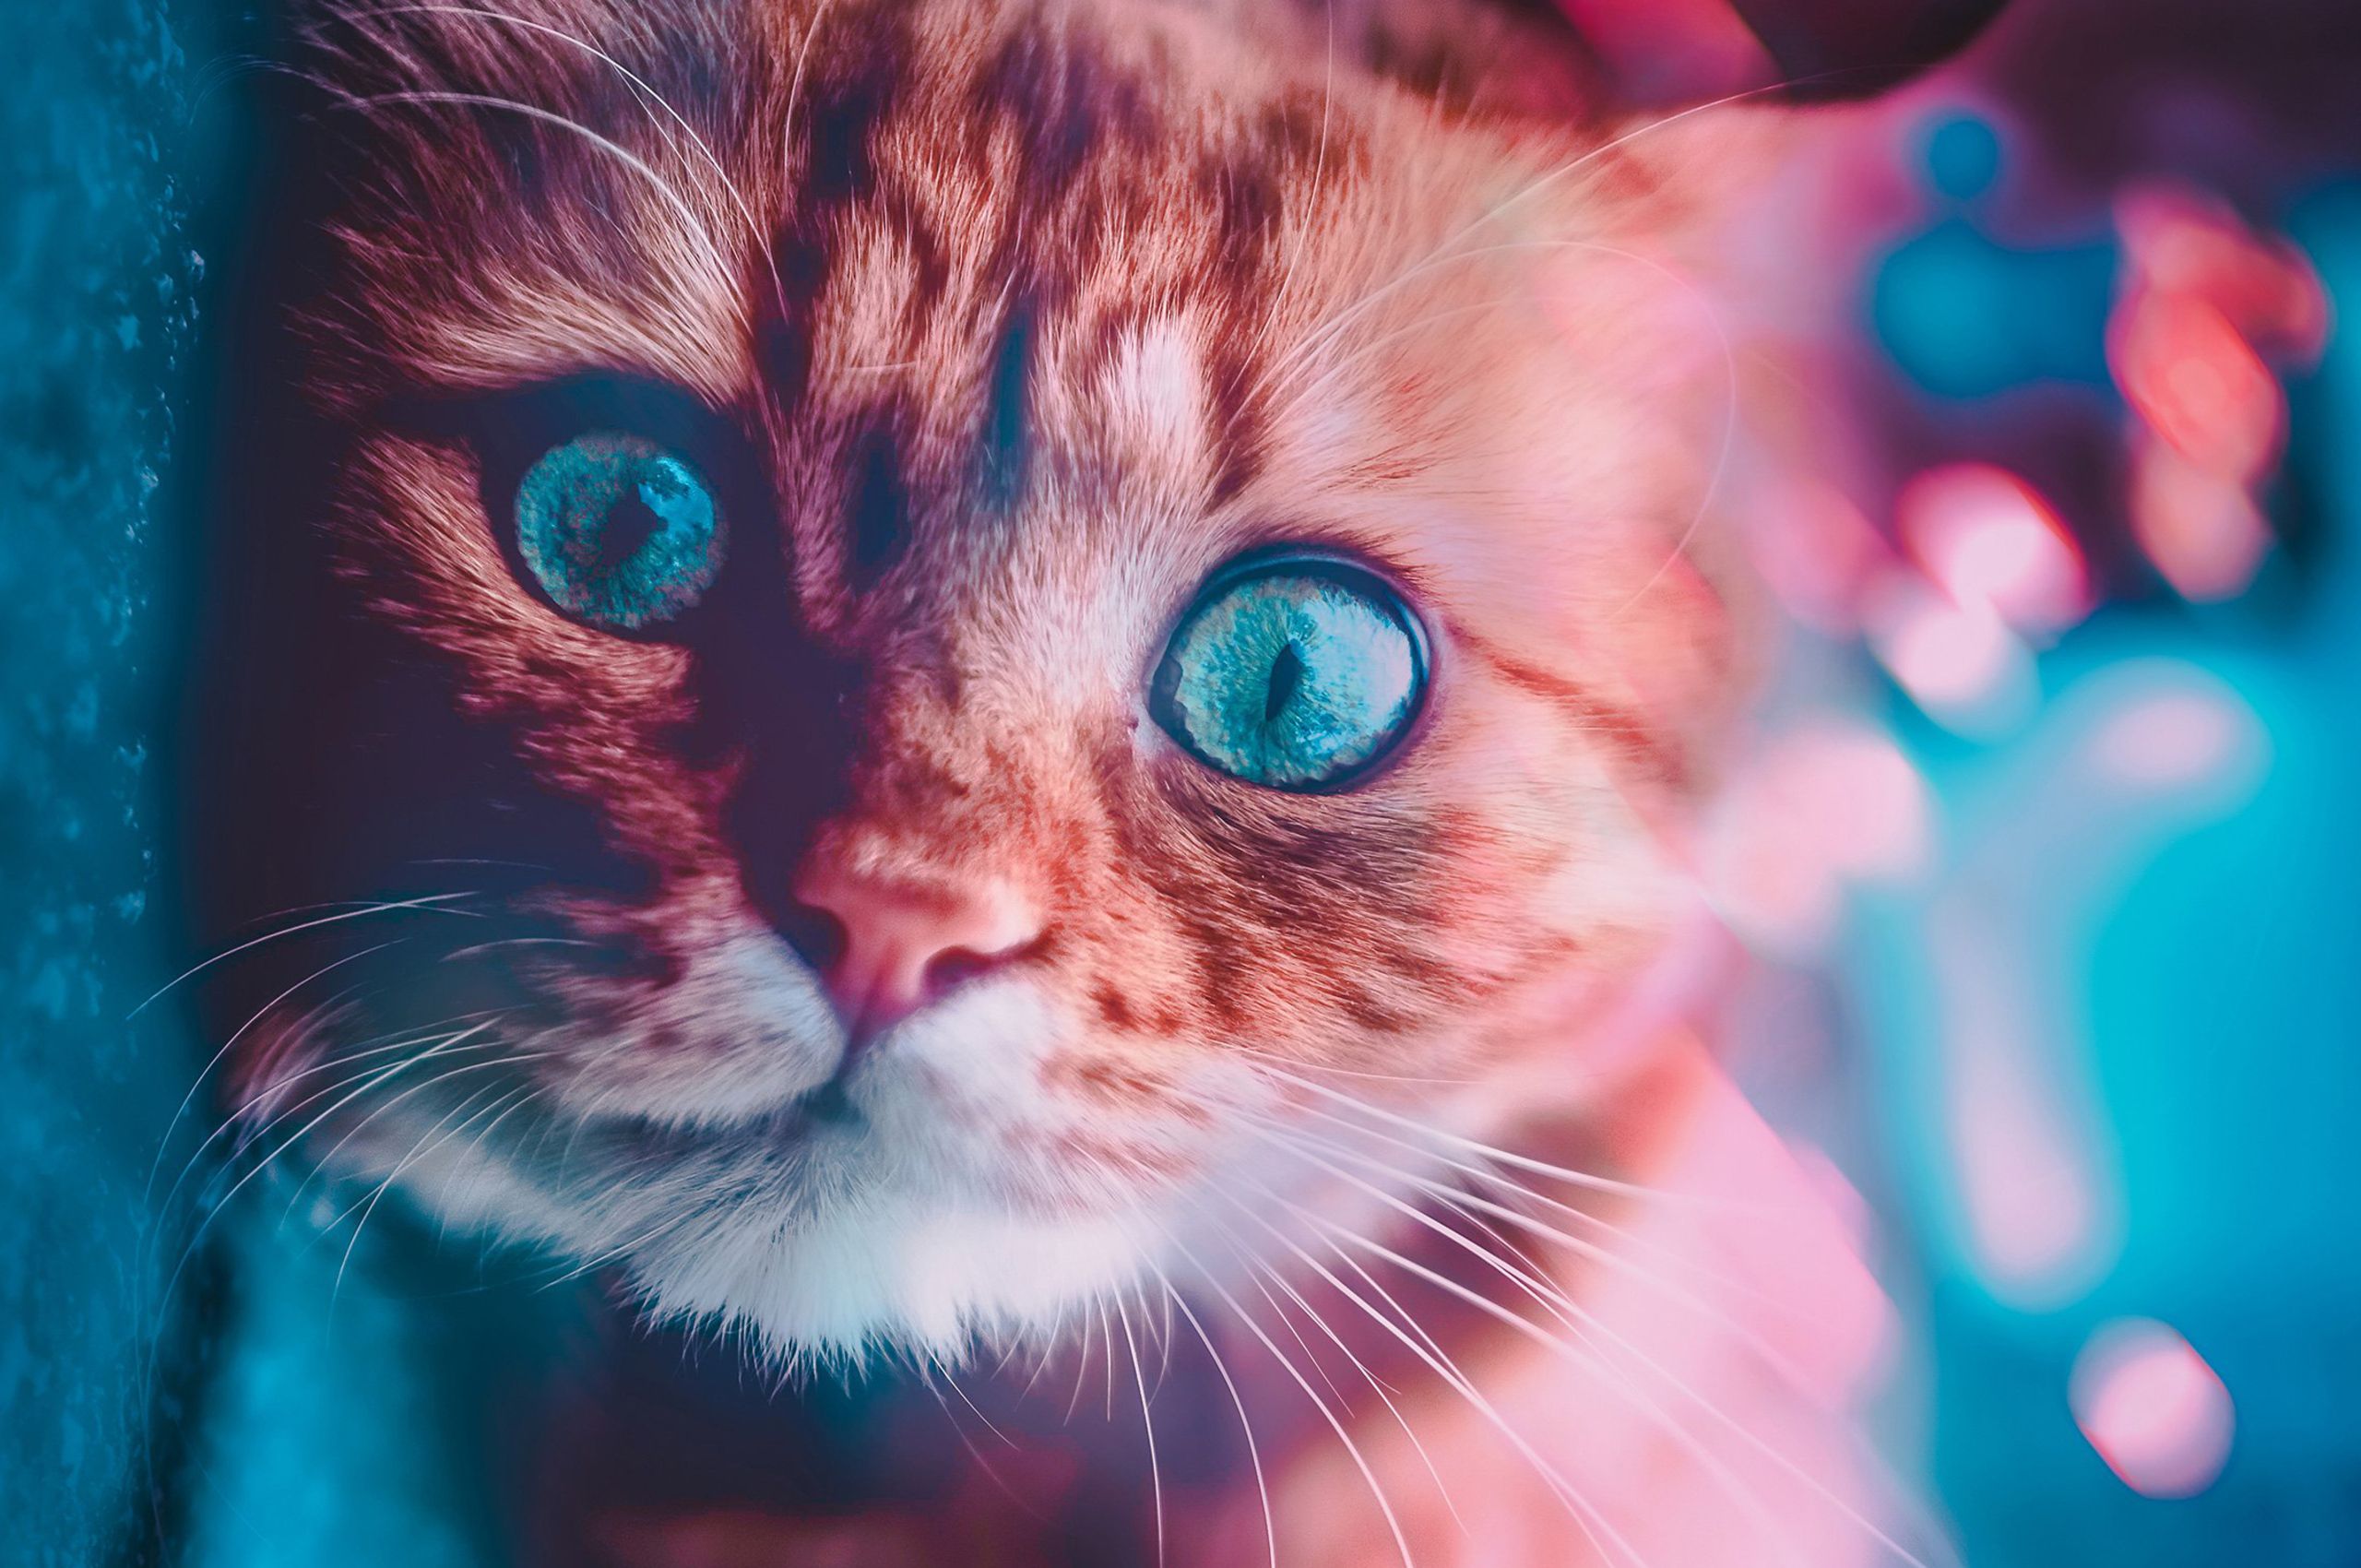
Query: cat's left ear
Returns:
{"type": "Point", "coordinates": [1668, 54]}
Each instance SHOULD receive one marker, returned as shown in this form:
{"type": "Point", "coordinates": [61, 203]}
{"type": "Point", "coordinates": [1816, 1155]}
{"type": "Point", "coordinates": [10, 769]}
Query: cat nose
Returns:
{"type": "Point", "coordinates": [899, 943]}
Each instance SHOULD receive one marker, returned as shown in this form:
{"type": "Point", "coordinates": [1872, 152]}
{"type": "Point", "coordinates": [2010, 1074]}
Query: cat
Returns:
{"type": "Point", "coordinates": [945, 679]}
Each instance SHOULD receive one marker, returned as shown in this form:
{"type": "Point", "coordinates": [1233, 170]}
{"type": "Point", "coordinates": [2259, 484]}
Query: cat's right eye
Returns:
{"type": "Point", "coordinates": [1296, 671]}
{"type": "Point", "coordinates": [618, 531]}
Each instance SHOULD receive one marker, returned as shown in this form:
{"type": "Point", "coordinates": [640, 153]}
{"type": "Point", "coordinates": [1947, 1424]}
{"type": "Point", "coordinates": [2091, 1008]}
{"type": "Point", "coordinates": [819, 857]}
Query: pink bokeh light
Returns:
{"type": "Point", "coordinates": [2206, 304]}
{"type": "Point", "coordinates": [1828, 803]}
{"type": "Point", "coordinates": [2034, 1214]}
{"type": "Point", "coordinates": [1961, 663]}
{"type": "Point", "coordinates": [2159, 1415]}
{"type": "Point", "coordinates": [1990, 542]}
{"type": "Point", "coordinates": [2176, 738]}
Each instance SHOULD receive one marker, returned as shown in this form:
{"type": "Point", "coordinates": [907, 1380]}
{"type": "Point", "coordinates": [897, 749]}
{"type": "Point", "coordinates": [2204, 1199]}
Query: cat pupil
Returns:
{"type": "Point", "coordinates": [618, 531]}
{"type": "Point", "coordinates": [631, 523]}
{"type": "Point", "coordinates": [1286, 675]}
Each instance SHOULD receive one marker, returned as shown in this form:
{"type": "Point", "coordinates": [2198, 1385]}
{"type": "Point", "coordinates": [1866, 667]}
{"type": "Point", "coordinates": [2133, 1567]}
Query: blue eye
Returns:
{"type": "Point", "coordinates": [1296, 673]}
{"type": "Point", "coordinates": [618, 531]}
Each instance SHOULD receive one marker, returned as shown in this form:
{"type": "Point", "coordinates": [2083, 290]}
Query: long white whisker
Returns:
{"type": "Point", "coordinates": [532, 1093]}
{"type": "Point", "coordinates": [1245, 1425]}
{"type": "Point", "coordinates": [1148, 1424]}
{"type": "Point", "coordinates": [1582, 1323]}
{"type": "Point", "coordinates": [1523, 1162]}
{"type": "Point", "coordinates": [664, 1224]}
{"type": "Point", "coordinates": [1311, 1357]}
{"type": "Point", "coordinates": [247, 1133]}
{"type": "Point", "coordinates": [952, 1379]}
{"type": "Point", "coordinates": [1495, 1180]}
{"type": "Point", "coordinates": [328, 1158]}
{"type": "Point", "coordinates": [434, 901]}
{"type": "Point", "coordinates": [1377, 1384]}
{"type": "Point", "coordinates": [155, 1166]}
{"type": "Point", "coordinates": [368, 1207]}
{"type": "Point", "coordinates": [1352, 1449]}
{"type": "Point", "coordinates": [204, 1227]}
{"type": "Point", "coordinates": [802, 58]}
{"type": "Point", "coordinates": [1107, 1323]}
{"type": "Point", "coordinates": [1474, 1205]}
{"type": "Point", "coordinates": [1082, 1365]}
{"type": "Point", "coordinates": [1447, 248]}
{"type": "Point", "coordinates": [1557, 1347]}
{"type": "Point", "coordinates": [1280, 292]}
{"type": "Point", "coordinates": [1585, 1514]}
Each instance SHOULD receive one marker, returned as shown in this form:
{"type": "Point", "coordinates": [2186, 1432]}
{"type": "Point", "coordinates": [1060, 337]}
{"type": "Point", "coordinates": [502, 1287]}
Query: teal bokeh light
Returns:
{"type": "Point", "coordinates": [1965, 314]}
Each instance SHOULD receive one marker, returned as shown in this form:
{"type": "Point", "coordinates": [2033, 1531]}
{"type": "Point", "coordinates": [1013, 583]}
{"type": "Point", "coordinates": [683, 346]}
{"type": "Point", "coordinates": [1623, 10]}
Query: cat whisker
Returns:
{"type": "Point", "coordinates": [1480, 1211]}
{"type": "Point", "coordinates": [236, 1124]}
{"type": "Point", "coordinates": [1542, 1336]}
{"type": "Point", "coordinates": [163, 1143]}
{"type": "Point", "coordinates": [532, 1092]}
{"type": "Point", "coordinates": [467, 1037]}
{"type": "Point", "coordinates": [1554, 1301]}
{"type": "Point", "coordinates": [1585, 1514]}
{"type": "Point", "coordinates": [1148, 1424]}
{"type": "Point", "coordinates": [196, 1238]}
{"type": "Point", "coordinates": [427, 1143]}
{"type": "Point", "coordinates": [1311, 1357]}
{"type": "Point", "coordinates": [1355, 1072]}
{"type": "Point", "coordinates": [1163, 1334]}
{"type": "Point", "coordinates": [1245, 1424]}
{"type": "Point", "coordinates": [1048, 1353]}
{"type": "Point", "coordinates": [239, 1123]}
{"type": "Point", "coordinates": [1335, 1424]}
{"type": "Point", "coordinates": [952, 1379]}
{"type": "Point", "coordinates": [633, 1240]}
{"type": "Point", "coordinates": [721, 284]}
{"type": "Point", "coordinates": [478, 949]}
{"type": "Point", "coordinates": [1278, 381]}
{"type": "Point", "coordinates": [1523, 1162]}
{"type": "Point", "coordinates": [1377, 1384]}
{"type": "Point", "coordinates": [1281, 371]}
{"type": "Point", "coordinates": [1081, 1364]}
{"type": "Point", "coordinates": [1446, 249]}
{"type": "Point", "coordinates": [1280, 293]}
{"type": "Point", "coordinates": [802, 58]}
{"type": "Point", "coordinates": [1108, 1325]}
{"type": "Point", "coordinates": [991, 1473]}
{"type": "Point", "coordinates": [1612, 1256]}
{"type": "Point", "coordinates": [436, 901]}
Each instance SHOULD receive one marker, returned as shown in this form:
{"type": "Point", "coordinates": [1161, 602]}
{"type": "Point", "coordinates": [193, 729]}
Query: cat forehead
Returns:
{"type": "Point", "coordinates": [943, 257]}
{"type": "Point", "coordinates": [567, 188]}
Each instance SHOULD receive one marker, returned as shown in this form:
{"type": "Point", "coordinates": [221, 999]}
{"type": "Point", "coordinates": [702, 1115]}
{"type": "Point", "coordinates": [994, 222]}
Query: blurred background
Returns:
{"type": "Point", "coordinates": [2047, 849]}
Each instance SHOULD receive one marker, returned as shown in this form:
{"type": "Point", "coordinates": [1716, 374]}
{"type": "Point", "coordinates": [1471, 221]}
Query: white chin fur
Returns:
{"type": "Point", "coordinates": [940, 1221]}
{"type": "Point", "coordinates": [891, 1277]}
{"type": "Point", "coordinates": [877, 1271]}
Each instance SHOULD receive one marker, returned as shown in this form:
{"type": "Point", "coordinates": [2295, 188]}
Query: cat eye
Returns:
{"type": "Point", "coordinates": [619, 532]}
{"type": "Point", "coordinates": [1295, 673]}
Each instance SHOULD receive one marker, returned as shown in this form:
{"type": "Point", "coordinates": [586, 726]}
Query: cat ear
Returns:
{"type": "Point", "coordinates": [1664, 54]}
{"type": "Point", "coordinates": [1583, 60]}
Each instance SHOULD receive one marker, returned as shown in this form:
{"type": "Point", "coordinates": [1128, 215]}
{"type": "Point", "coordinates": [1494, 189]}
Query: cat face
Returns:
{"type": "Point", "coordinates": [1022, 581]}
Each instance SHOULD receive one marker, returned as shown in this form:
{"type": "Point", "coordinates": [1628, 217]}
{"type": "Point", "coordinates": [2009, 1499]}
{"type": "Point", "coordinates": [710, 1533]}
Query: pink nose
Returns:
{"type": "Point", "coordinates": [902, 944]}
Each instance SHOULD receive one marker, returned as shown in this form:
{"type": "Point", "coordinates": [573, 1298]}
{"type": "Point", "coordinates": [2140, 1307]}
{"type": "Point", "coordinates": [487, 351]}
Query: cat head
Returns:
{"type": "Point", "coordinates": [974, 605]}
